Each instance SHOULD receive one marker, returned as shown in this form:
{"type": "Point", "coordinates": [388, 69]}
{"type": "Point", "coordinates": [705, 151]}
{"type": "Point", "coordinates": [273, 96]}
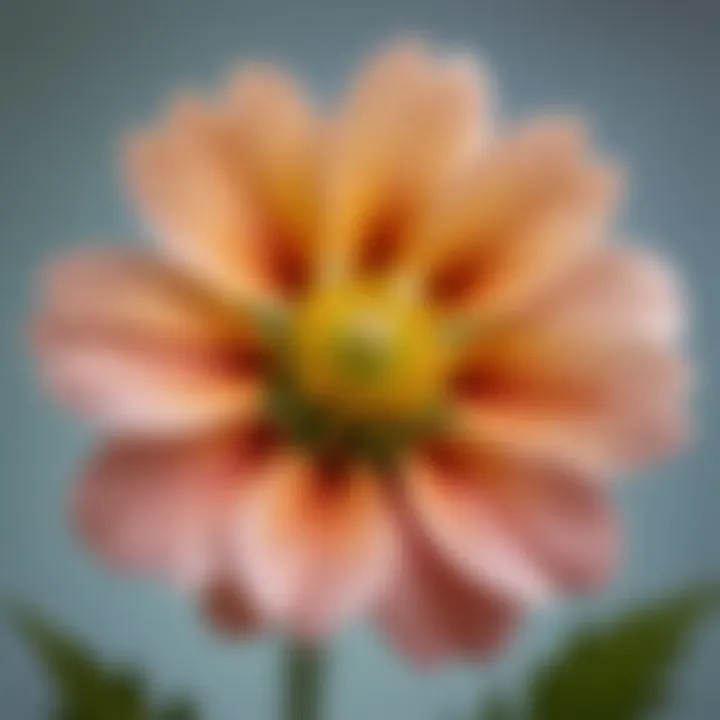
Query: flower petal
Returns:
{"type": "Point", "coordinates": [228, 609]}
{"type": "Point", "coordinates": [456, 507]}
{"type": "Point", "coordinates": [530, 208]}
{"type": "Point", "coordinates": [410, 124]}
{"type": "Point", "coordinates": [315, 545]}
{"type": "Point", "coordinates": [278, 136]}
{"type": "Point", "coordinates": [196, 187]}
{"type": "Point", "coordinates": [161, 507]}
{"type": "Point", "coordinates": [589, 375]}
{"type": "Point", "coordinates": [620, 294]}
{"type": "Point", "coordinates": [524, 529]}
{"type": "Point", "coordinates": [568, 524]}
{"type": "Point", "coordinates": [136, 347]}
{"type": "Point", "coordinates": [431, 611]}
{"type": "Point", "coordinates": [614, 424]}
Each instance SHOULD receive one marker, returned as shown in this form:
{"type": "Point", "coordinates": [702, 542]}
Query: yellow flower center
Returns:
{"type": "Point", "coordinates": [367, 353]}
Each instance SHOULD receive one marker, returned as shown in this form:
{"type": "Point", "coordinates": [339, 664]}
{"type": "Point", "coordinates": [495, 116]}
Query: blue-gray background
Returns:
{"type": "Point", "coordinates": [74, 74]}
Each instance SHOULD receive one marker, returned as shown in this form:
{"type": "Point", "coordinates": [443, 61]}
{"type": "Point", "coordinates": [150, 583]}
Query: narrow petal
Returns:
{"type": "Point", "coordinates": [410, 124]}
{"type": "Point", "coordinates": [432, 612]}
{"type": "Point", "coordinates": [525, 529]}
{"type": "Point", "coordinates": [160, 508]}
{"type": "Point", "coordinates": [315, 545]}
{"type": "Point", "coordinates": [279, 143]}
{"type": "Point", "coordinates": [135, 347]}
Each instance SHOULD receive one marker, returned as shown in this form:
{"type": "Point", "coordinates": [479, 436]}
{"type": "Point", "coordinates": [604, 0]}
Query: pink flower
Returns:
{"type": "Point", "coordinates": [381, 361]}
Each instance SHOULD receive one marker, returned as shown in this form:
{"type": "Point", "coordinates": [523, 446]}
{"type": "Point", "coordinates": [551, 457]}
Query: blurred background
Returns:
{"type": "Point", "coordinates": [76, 75]}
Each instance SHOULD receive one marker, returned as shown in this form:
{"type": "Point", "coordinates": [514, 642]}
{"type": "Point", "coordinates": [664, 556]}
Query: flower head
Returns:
{"type": "Point", "coordinates": [379, 360]}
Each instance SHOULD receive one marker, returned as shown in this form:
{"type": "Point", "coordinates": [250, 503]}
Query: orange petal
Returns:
{"type": "Point", "coordinates": [409, 125]}
{"type": "Point", "coordinates": [588, 375]}
{"type": "Point", "coordinates": [191, 183]}
{"type": "Point", "coordinates": [497, 189]}
{"type": "Point", "coordinates": [315, 545]}
{"type": "Point", "coordinates": [160, 508]}
{"type": "Point", "coordinates": [432, 612]}
{"type": "Point", "coordinates": [279, 143]}
{"type": "Point", "coordinates": [550, 247]}
{"type": "Point", "coordinates": [524, 529]}
{"type": "Point", "coordinates": [608, 422]}
{"type": "Point", "coordinates": [528, 210]}
{"type": "Point", "coordinates": [136, 347]}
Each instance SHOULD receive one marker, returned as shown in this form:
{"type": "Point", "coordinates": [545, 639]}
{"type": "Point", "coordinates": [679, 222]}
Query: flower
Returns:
{"type": "Point", "coordinates": [384, 360]}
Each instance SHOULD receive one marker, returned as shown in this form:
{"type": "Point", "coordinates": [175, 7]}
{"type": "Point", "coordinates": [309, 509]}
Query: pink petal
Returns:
{"type": "Point", "coordinates": [569, 526]}
{"type": "Point", "coordinates": [590, 375]}
{"type": "Point", "coordinates": [620, 294]}
{"type": "Point", "coordinates": [432, 612]}
{"type": "Point", "coordinates": [522, 528]}
{"type": "Point", "coordinates": [458, 512]}
{"type": "Point", "coordinates": [630, 427]}
{"type": "Point", "coordinates": [161, 508]}
{"type": "Point", "coordinates": [135, 347]}
{"type": "Point", "coordinates": [314, 545]}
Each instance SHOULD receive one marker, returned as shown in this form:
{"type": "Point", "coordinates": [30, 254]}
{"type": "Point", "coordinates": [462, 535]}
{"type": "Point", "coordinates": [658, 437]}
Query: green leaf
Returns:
{"type": "Point", "coordinates": [618, 670]}
{"type": "Point", "coordinates": [87, 688]}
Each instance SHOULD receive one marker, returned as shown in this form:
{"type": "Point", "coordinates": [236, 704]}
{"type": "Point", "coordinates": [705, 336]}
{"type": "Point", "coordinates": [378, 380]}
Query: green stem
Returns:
{"type": "Point", "coordinates": [303, 681]}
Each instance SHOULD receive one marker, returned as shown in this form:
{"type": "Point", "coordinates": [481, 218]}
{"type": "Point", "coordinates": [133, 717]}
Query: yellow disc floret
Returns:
{"type": "Point", "coordinates": [367, 352]}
